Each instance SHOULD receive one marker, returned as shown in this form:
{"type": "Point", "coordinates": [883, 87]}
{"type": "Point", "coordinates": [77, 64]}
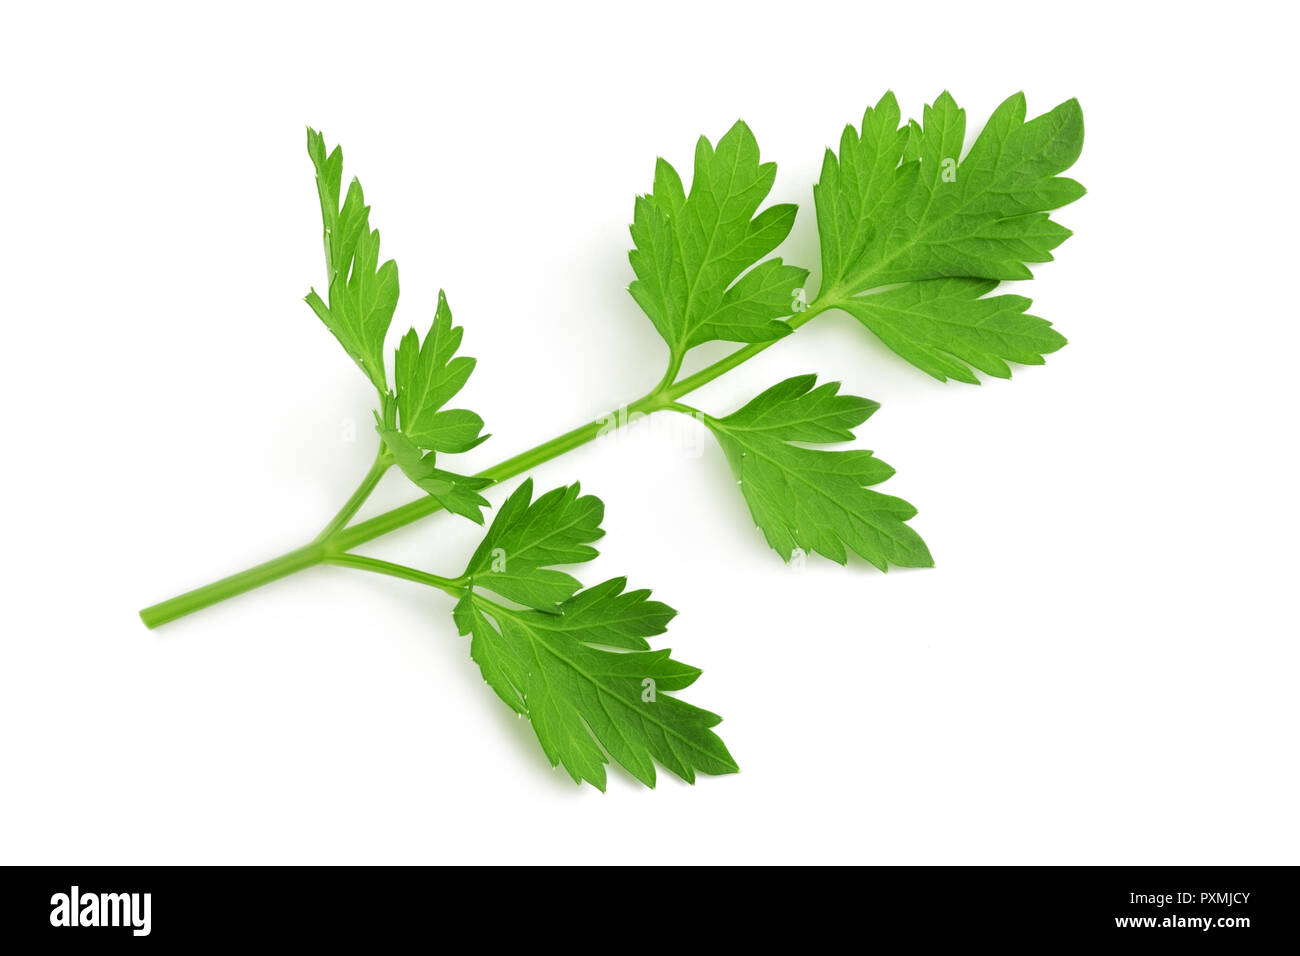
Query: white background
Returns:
{"type": "Point", "coordinates": [1102, 668]}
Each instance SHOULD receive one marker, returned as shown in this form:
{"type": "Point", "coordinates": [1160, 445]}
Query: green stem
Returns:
{"type": "Point", "coordinates": [670, 374]}
{"type": "Point", "coordinates": [383, 461]}
{"type": "Point", "coordinates": [218, 591]}
{"type": "Point", "coordinates": [685, 409]}
{"type": "Point", "coordinates": [329, 547]}
{"type": "Point", "coordinates": [823, 303]}
{"type": "Point", "coordinates": [364, 531]}
{"type": "Point", "coordinates": [363, 563]}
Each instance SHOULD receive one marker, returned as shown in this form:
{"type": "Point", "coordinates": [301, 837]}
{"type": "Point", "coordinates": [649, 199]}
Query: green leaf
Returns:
{"type": "Point", "coordinates": [414, 422]}
{"type": "Point", "coordinates": [944, 327]}
{"type": "Point", "coordinates": [457, 493]}
{"type": "Point", "coordinates": [900, 204]}
{"type": "Point", "coordinates": [362, 293]}
{"type": "Point", "coordinates": [691, 249]}
{"type": "Point", "coordinates": [428, 376]}
{"type": "Point", "coordinates": [343, 227]}
{"type": "Point", "coordinates": [813, 499]}
{"type": "Point", "coordinates": [854, 188]}
{"type": "Point", "coordinates": [528, 538]}
{"type": "Point", "coordinates": [590, 685]}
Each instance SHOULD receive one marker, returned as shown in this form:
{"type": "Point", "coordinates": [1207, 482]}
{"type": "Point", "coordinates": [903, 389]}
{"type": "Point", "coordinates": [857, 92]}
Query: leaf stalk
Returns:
{"type": "Point", "coordinates": [337, 539]}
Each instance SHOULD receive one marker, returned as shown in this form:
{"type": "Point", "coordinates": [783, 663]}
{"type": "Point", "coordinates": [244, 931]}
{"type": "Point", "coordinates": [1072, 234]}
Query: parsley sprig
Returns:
{"type": "Point", "coordinates": [915, 233]}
